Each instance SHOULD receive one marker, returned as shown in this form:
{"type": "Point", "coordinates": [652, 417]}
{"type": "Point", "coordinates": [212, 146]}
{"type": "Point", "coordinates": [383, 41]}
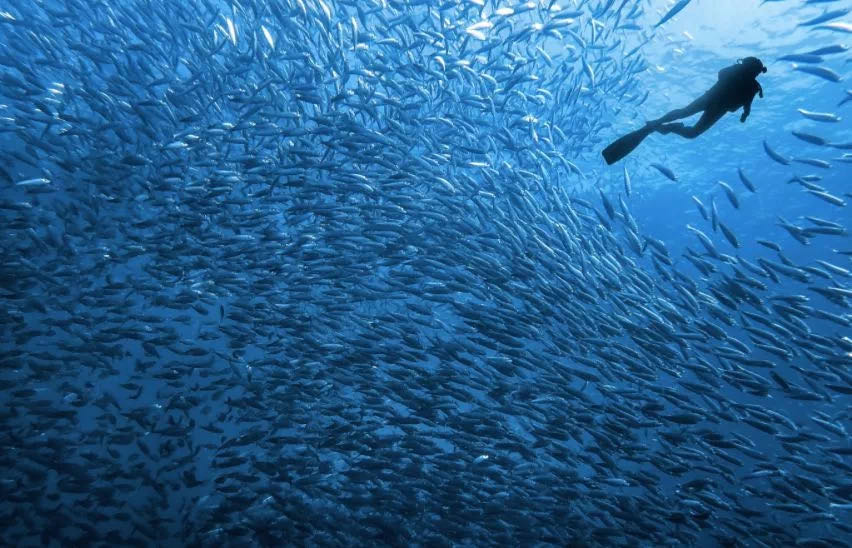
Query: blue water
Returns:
{"type": "Point", "coordinates": [340, 273]}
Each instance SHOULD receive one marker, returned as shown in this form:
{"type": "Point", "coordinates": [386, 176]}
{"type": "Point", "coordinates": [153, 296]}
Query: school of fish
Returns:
{"type": "Point", "coordinates": [338, 273]}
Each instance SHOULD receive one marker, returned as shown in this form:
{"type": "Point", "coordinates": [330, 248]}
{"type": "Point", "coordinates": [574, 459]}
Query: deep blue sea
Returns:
{"type": "Point", "coordinates": [356, 273]}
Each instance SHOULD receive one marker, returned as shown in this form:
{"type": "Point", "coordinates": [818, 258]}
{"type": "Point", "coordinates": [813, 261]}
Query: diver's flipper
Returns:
{"type": "Point", "coordinates": [625, 145]}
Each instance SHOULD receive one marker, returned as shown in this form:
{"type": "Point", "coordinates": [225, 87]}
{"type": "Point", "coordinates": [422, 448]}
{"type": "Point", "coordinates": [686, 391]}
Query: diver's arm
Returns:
{"type": "Point", "coordinates": [746, 111]}
{"type": "Point", "coordinates": [747, 104]}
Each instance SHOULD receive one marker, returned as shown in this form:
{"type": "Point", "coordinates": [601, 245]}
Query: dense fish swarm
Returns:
{"type": "Point", "coordinates": [317, 272]}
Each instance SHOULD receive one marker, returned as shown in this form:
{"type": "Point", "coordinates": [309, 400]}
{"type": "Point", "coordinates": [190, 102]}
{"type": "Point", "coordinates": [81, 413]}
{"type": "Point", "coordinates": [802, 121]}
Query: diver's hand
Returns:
{"type": "Point", "coordinates": [743, 118]}
{"type": "Point", "coordinates": [761, 94]}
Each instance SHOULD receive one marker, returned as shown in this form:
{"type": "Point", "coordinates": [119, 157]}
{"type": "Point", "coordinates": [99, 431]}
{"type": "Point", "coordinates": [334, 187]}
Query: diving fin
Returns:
{"type": "Point", "coordinates": [623, 146]}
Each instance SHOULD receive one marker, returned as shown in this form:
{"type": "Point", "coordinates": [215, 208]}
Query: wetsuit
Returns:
{"type": "Point", "coordinates": [735, 88]}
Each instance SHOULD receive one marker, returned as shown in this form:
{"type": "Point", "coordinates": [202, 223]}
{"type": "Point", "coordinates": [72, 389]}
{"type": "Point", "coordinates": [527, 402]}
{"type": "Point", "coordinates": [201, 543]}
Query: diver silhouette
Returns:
{"type": "Point", "coordinates": [736, 87]}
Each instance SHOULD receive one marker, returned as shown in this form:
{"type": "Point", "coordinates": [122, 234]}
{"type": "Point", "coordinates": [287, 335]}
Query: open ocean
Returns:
{"type": "Point", "coordinates": [355, 273]}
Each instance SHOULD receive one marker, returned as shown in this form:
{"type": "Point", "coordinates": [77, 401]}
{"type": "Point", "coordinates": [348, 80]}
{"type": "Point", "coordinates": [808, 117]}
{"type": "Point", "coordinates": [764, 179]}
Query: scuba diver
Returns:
{"type": "Point", "coordinates": [735, 88]}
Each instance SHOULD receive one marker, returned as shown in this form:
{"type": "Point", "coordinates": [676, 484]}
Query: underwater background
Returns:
{"type": "Point", "coordinates": [354, 273]}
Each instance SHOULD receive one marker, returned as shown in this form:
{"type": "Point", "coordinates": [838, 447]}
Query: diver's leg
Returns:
{"type": "Point", "coordinates": [710, 117]}
{"type": "Point", "coordinates": [692, 108]}
{"type": "Point", "coordinates": [674, 127]}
